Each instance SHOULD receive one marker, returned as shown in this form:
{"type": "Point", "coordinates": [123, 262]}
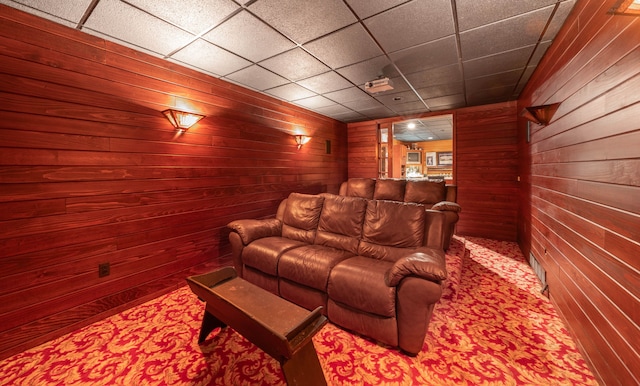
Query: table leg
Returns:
{"type": "Point", "coordinates": [303, 368]}
{"type": "Point", "coordinates": [209, 323]}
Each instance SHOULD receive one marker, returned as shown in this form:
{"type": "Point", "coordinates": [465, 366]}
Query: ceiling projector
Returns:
{"type": "Point", "coordinates": [378, 85]}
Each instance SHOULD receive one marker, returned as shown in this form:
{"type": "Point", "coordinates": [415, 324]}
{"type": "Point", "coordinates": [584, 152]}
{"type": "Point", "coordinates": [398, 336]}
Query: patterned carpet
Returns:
{"type": "Point", "coordinates": [491, 327]}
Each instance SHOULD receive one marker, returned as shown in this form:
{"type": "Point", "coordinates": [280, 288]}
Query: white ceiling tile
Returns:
{"type": "Point", "coordinates": [327, 82]}
{"type": "Point", "coordinates": [249, 37]}
{"type": "Point", "coordinates": [204, 55]}
{"type": "Point", "coordinates": [348, 95]}
{"type": "Point", "coordinates": [368, 70]}
{"type": "Point", "coordinates": [412, 23]}
{"type": "Point", "coordinates": [295, 65]}
{"type": "Point", "coordinates": [257, 78]}
{"type": "Point", "coordinates": [67, 12]}
{"type": "Point", "coordinates": [474, 13]}
{"type": "Point", "coordinates": [347, 46]}
{"type": "Point", "coordinates": [202, 15]}
{"type": "Point", "coordinates": [501, 62]}
{"type": "Point", "coordinates": [128, 24]}
{"type": "Point", "coordinates": [514, 33]}
{"type": "Point", "coordinates": [366, 8]}
{"type": "Point", "coordinates": [304, 20]}
{"type": "Point", "coordinates": [290, 92]}
{"type": "Point", "coordinates": [420, 58]}
{"type": "Point", "coordinates": [314, 102]}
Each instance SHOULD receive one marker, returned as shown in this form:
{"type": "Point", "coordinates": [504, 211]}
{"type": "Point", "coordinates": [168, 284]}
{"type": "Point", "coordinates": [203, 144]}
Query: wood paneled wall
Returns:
{"type": "Point", "coordinates": [363, 149]}
{"type": "Point", "coordinates": [486, 160]}
{"type": "Point", "coordinates": [582, 202]}
{"type": "Point", "coordinates": [91, 172]}
{"type": "Point", "coordinates": [485, 166]}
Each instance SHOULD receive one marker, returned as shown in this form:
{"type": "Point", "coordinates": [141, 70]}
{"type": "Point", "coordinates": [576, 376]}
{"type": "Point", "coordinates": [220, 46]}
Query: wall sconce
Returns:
{"type": "Point", "coordinates": [540, 114]}
{"type": "Point", "coordinates": [182, 120]}
{"type": "Point", "coordinates": [626, 7]}
{"type": "Point", "coordinates": [301, 140]}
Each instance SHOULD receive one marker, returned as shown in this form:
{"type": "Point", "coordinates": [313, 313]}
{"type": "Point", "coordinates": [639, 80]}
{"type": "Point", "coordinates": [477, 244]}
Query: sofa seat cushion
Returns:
{"type": "Point", "coordinates": [359, 282]}
{"type": "Point", "coordinates": [310, 265]}
{"type": "Point", "coordinates": [263, 254]}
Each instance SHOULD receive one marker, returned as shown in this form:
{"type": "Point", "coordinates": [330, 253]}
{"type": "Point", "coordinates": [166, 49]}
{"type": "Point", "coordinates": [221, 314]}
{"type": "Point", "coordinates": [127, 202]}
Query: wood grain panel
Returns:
{"type": "Point", "coordinates": [92, 172]}
{"type": "Point", "coordinates": [486, 160]}
{"type": "Point", "coordinates": [582, 171]}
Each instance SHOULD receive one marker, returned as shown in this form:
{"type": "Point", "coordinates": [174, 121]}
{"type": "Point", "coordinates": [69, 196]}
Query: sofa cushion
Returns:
{"type": "Point", "coordinates": [263, 254]}
{"type": "Point", "coordinates": [340, 223]}
{"type": "Point", "coordinates": [359, 283]}
{"type": "Point", "coordinates": [394, 224]}
{"type": "Point", "coordinates": [361, 187]}
{"type": "Point", "coordinates": [389, 190]}
{"type": "Point", "coordinates": [425, 192]}
{"type": "Point", "coordinates": [311, 264]}
{"type": "Point", "coordinates": [301, 216]}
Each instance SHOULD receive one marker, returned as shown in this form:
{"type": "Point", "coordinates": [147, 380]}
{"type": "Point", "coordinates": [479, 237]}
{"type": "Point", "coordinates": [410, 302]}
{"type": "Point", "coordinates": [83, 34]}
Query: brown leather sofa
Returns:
{"type": "Point", "coordinates": [434, 195]}
{"type": "Point", "coordinates": [375, 266]}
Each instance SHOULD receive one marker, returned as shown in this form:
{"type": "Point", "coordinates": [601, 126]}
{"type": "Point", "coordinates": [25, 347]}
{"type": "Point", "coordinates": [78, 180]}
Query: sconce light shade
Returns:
{"type": "Point", "coordinates": [182, 120]}
{"type": "Point", "coordinates": [540, 114]}
{"type": "Point", "coordinates": [626, 7]}
{"type": "Point", "coordinates": [301, 140]}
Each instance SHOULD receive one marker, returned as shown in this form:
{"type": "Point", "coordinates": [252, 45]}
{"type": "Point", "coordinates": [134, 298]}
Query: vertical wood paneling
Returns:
{"type": "Point", "coordinates": [487, 170]}
{"type": "Point", "coordinates": [581, 185]}
{"type": "Point", "coordinates": [363, 150]}
{"type": "Point", "coordinates": [92, 172]}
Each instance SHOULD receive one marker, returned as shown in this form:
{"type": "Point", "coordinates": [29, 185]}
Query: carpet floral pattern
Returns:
{"type": "Point", "coordinates": [492, 326]}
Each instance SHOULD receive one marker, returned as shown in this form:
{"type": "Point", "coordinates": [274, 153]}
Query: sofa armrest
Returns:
{"type": "Point", "coordinates": [447, 206]}
{"type": "Point", "coordinates": [426, 263]}
{"type": "Point", "coordinates": [251, 229]}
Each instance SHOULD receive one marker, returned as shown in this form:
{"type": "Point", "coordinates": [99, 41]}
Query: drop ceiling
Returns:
{"type": "Point", "coordinates": [439, 54]}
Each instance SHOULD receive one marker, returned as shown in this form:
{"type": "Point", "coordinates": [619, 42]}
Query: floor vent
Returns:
{"type": "Point", "coordinates": [540, 272]}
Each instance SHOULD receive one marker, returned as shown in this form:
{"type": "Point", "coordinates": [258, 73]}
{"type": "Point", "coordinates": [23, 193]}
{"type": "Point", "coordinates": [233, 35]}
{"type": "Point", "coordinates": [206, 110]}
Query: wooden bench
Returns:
{"type": "Point", "coordinates": [278, 327]}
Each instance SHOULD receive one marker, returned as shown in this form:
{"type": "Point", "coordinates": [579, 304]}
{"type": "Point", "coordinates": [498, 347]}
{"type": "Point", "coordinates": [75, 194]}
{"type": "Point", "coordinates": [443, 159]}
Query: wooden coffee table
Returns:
{"type": "Point", "coordinates": [278, 327]}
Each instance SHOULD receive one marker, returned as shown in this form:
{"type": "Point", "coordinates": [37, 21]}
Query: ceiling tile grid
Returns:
{"type": "Point", "coordinates": [439, 54]}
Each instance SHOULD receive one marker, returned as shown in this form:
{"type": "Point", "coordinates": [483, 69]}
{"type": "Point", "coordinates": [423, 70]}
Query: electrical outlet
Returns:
{"type": "Point", "coordinates": [104, 269]}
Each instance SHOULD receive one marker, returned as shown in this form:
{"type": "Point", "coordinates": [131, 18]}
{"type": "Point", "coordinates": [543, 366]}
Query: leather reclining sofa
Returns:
{"type": "Point", "coordinates": [434, 195]}
{"type": "Point", "coordinates": [376, 267]}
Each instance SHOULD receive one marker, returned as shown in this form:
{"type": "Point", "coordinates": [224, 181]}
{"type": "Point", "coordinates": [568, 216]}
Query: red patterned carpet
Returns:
{"type": "Point", "coordinates": [491, 327]}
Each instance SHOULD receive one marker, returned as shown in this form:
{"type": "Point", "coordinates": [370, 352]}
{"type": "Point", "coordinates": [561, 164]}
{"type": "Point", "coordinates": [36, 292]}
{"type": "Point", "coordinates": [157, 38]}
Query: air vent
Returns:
{"type": "Point", "coordinates": [539, 271]}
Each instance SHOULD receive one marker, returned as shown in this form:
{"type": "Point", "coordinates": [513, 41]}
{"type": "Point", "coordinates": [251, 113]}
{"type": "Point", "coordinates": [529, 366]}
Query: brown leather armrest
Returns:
{"type": "Point", "coordinates": [427, 263]}
{"type": "Point", "coordinates": [251, 229]}
{"type": "Point", "coordinates": [447, 205]}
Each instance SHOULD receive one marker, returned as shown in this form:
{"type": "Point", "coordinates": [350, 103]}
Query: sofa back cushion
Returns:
{"type": "Point", "coordinates": [360, 187]}
{"type": "Point", "coordinates": [389, 227]}
{"type": "Point", "coordinates": [389, 190]}
{"type": "Point", "coordinates": [301, 216]}
{"type": "Point", "coordinates": [340, 223]}
{"type": "Point", "coordinates": [425, 192]}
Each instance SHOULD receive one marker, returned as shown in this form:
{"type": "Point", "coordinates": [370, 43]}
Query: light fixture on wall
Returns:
{"type": "Point", "coordinates": [626, 7]}
{"type": "Point", "coordinates": [301, 140]}
{"type": "Point", "coordinates": [540, 114]}
{"type": "Point", "coordinates": [182, 120]}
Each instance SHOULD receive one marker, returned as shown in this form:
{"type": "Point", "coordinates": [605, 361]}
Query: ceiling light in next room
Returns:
{"type": "Point", "coordinates": [626, 7]}
{"type": "Point", "coordinates": [411, 125]}
{"type": "Point", "coordinates": [182, 120]}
